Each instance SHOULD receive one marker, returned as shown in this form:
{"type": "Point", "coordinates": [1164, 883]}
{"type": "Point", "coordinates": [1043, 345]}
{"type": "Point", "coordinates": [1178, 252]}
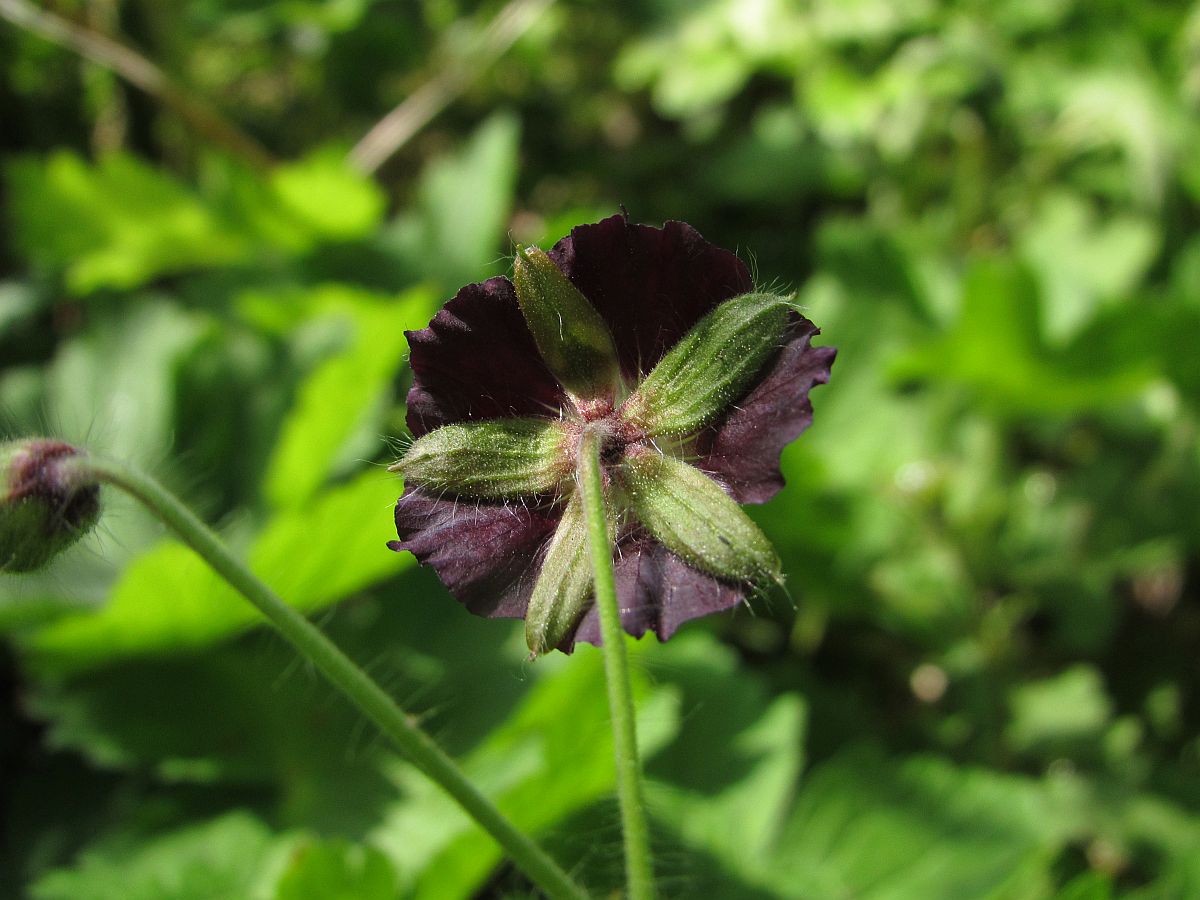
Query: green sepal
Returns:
{"type": "Point", "coordinates": [693, 518]}
{"type": "Point", "coordinates": [711, 366]}
{"type": "Point", "coordinates": [571, 336]}
{"type": "Point", "coordinates": [504, 458]}
{"type": "Point", "coordinates": [563, 591]}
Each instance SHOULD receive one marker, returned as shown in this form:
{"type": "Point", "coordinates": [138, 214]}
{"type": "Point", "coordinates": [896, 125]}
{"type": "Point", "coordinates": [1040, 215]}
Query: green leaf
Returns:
{"type": "Point", "coordinates": [218, 860]}
{"type": "Point", "coordinates": [551, 758]}
{"type": "Point", "coordinates": [707, 54]}
{"type": "Point", "coordinates": [876, 829]}
{"type": "Point", "coordinates": [1084, 262]}
{"type": "Point", "coordinates": [454, 232]}
{"type": "Point", "coordinates": [339, 405]}
{"type": "Point", "coordinates": [18, 303]}
{"type": "Point", "coordinates": [246, 713]}
{"type": "Point", "coordinates": [996, 348]}
{"type": "Point", "coordinates": [1088, 886]}
{"type": "Point", "coordinates": [169, 599]}
{"type": "Point", "coordinates": [112, 387]}
{"type": "Point", "coordinates": [228, 714]}
{"type": "Point", "coordinates": [337, 870]}
{"type": "Point", "coordinates": [725, 785]}
{"type": "Point", "coordinates": [1070, 706]}
{"type": "Point", "coordinates": [332, 200]}
{"type": "Point", "coordinates": [94, 221]}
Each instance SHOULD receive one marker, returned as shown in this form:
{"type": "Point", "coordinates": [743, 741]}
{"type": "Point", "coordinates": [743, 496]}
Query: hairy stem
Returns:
{"type": "Point", "coordinates": [639, 870]}
{"type": "Point", "coordinates": [343, 674]}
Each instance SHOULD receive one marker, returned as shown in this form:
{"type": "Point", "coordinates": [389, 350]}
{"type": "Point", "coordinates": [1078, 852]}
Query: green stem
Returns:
{"type": "Point", "coordinates": [343, 674]}
{"type": "Point", "coordinates": [639, 871]}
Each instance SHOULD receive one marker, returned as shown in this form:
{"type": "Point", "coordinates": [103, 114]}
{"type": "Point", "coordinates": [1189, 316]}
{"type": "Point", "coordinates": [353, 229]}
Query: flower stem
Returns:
{"type": "Point", "coordinates": [639, 871]}
{"type": "Point", "coordinates": [343, 674]}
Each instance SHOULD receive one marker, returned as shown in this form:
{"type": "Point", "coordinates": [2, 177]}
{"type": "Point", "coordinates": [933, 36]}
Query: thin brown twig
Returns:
{"type": "Point", "coordinates": [395, 129]}
{"type": "Point", "coordinates": [140, 72]}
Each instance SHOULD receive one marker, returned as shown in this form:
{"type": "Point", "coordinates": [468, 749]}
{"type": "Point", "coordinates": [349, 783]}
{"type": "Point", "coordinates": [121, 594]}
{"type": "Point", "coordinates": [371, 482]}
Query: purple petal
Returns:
{"type": "Point", "coordinates": [651, 285]}
{"type": "Point", "coordinates": [477, 360]}
{"type": "Point", "coordinates": [742, 450]}
{"type": "Point", "coordinates": [658, 591]}
{"type": "Point", "coordinates": [487, 554]}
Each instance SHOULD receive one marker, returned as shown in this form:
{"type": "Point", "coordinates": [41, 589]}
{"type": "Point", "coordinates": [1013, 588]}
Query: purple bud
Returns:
{"type": "Point", "coordinates": [47, 502]}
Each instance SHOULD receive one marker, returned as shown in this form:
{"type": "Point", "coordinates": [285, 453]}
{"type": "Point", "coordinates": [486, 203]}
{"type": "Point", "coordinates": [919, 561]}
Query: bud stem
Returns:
{"type": "Point", "coordinates": [342, 673]}
{"type": "Point", "coordinates": [639, 871]}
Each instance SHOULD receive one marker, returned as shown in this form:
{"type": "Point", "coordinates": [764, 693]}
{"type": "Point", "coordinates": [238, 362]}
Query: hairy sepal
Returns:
{"type": "Point", "coordinates": [692, 517]}
{"type": "Point", "coordinates": [570, 335]}
{"type": "Point", "coordinates": [563, 591]}
{"type": "Point", "coordinates": [711, 366]}
{"type": "Point", "coordinates": [502, 459]}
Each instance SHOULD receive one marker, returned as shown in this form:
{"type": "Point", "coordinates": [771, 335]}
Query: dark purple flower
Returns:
{"type": "Point", "coordinates": [506, 378]}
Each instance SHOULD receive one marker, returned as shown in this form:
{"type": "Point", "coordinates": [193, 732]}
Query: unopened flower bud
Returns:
{"type": "Point", "coordinates": [489, 460]}
{"type": "Point", "coordinates": [711, 366]}
{"type": "Point", "coordinates": [47, 502]}
{"type": "Point", "coordinates": [689, 513]}
{"type": "Point", "coordinates": [571, 336]}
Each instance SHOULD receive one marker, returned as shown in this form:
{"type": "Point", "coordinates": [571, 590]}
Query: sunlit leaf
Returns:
{"type": "Point", "coordinates": [725, 786]}
{"type": "Point", "coordinates": [1085, 262]}
{"type": "Point", "coordinates": [1070, 706]}
{"type": "Point", "coordinates": [338, 406]}
{"type": "Point", "coordinates": [337, 870]}
{"type": "Point", "coordinates": [996, 348]}
{"type": "Point", "coordinates": [92, 221]}
{"type": "Point", "coordinates": [333, 200]}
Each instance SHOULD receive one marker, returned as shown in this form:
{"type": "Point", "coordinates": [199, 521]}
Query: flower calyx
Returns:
{"type": "Point", "coordinates": [642, 432]}
{"type": "Point", "coordinates": [646, 346]}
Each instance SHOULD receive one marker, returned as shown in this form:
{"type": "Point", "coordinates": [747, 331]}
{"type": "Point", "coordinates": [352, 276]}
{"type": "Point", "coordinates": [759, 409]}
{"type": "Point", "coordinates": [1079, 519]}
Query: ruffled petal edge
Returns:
{"type": "Point", "coordinates": [488, 555]}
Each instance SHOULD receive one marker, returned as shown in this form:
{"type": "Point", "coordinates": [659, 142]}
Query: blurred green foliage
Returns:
{"type": "Point", "coordinates": [983, 681]}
